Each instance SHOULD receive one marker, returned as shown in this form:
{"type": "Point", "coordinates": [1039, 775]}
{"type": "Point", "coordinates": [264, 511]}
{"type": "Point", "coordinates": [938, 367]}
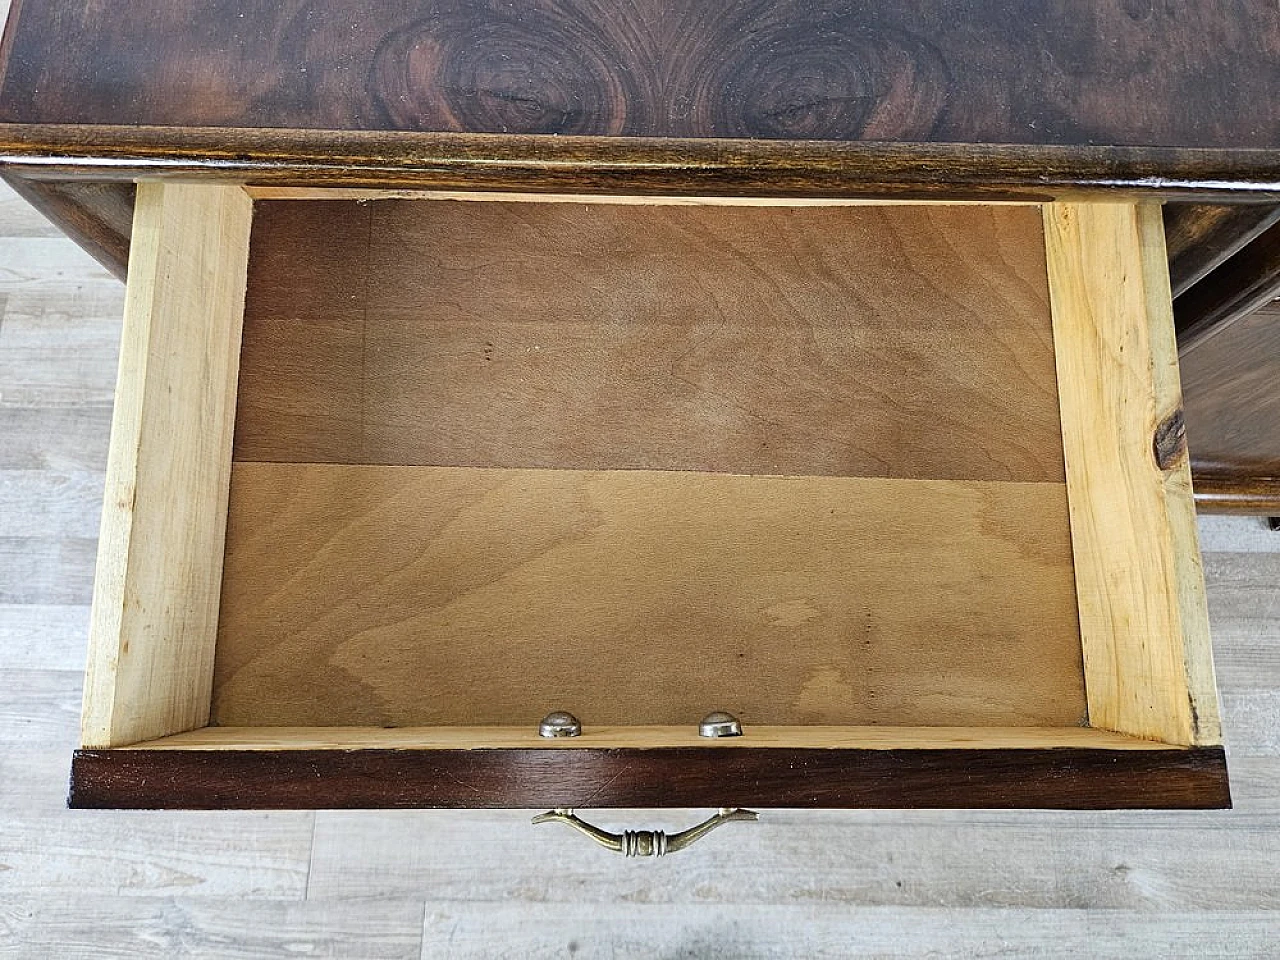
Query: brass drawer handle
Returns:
{"type": "Point", "coordinates": [645, 843]}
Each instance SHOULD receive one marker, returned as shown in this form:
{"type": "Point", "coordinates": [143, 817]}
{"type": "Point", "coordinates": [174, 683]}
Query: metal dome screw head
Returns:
{"type": "Point", "coordinates": [719, 724]}
{"type": "Point", "coordinates": [559, 724]}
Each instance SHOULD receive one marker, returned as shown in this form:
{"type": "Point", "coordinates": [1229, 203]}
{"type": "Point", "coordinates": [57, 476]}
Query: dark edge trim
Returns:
{"type": "Point", "coordinates": [637, 165]}
{"type": "Point", "coordinates": [1066, 778]}
{"type": "Point", "coordinates": [1244, 493]}
{"type": "Point", "coordinates": [97, 216]}
{"type": "Point", "coordinates": [1201, 237]}
{"type": "Point", "coordinates": [1244, 283]}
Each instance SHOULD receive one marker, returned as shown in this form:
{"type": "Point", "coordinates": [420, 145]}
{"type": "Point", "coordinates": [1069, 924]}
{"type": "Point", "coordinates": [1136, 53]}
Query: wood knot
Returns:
{"type": "Point", "coordinates": [1170, 442]}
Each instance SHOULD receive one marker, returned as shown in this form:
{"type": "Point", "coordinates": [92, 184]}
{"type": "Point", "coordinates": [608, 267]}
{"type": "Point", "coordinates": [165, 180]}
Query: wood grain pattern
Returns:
{"type": "Point", "coordinates": [1144, 627]}
{"type": "Point", "coordinates": [1139, 73]}
{"type": "Point", "coordinates": [424, 596]}
{"type": "Point", "coordinates": [43, 636]}
{"type": "Point", "coordinates": [1201, 236]}
{"type": "Point", "coordinates": [53, 438]}
{"type": "Point", "coordinates": [651, 200]}
{"type": "Point", "coordinates": [47, 569]}
{"type": "Point", "coordinates": [38, 706]}
{"type": "Point", "coordinates": [635, 735]}
{"type": "Point", "coordinates": [1063, 778]}
{"type": "Point", "coordinates": [97, 216]}
{"type": "Point", "coordinates": [869, 341]}
{"type": "Point", "coordinates": [1185, 571]}
{"type": "Point", "coordinates": [48, 318]}
{"type": "Point", "coordinates": [636, 165]}
{"type": "Point", "coordinates": [1232, 399]}
{"type": "Point", "coordinates": [1244, 492]}
{"type": "Point", "coordinates": [1246, 282]}
{"type": "Point", "coordinates": [250, 855]}
{"type": "Point", "coordinates": [235, 928]}
{"type": "Point", "coordinates": [137, 928]}
{"type": "Point", "coordinates": [39, 503]}
{"type": "Point", "coordinates": [1233, 415]}
{"type": "Point", "coordinates": [980, 864]}
{"type": "Point", "coordinates": [820, 928]}
{"type": "Point", "coordinates": [155, 602]}
{"type": "Point", "coordinates": [859, 883]}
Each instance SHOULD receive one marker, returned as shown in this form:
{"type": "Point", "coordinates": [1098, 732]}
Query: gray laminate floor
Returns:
{"type": "Point", "coordinates": [434, 884]}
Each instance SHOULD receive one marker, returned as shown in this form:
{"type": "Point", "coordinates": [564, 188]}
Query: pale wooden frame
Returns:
{"type": "Point", "coordinates": [605, 737]}
{"type": "Point", "coordinates": [159, 574]}
{"type": "Point", "coordinates": [1148, 664]}
{"type": "Point", "coordinates": [1143, 619]}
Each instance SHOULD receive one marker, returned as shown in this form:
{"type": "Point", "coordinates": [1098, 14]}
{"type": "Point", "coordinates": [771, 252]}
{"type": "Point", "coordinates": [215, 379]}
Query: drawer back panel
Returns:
{"type": "Point", "coordinates": [871, 341]}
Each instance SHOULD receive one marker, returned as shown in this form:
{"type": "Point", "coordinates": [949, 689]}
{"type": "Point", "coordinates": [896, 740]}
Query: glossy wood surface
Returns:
{"type": "Point", "coordinates": [1144, 72]}
{"type": "Point", "coordinates": [97, 216]}
{"type": "Point", "coordinates": [1232, 396]}
{"type": "Point", "coordinates": [876, 341]}
{"type": "Point", "coordinates": [1200, 237]}
{"type": "Point", "coordinates": [627, 165]}
{"type": "Point", "coordinates": [1243, 284]}
{"type": "Point", "coordinates": [1227, 260]}
{"type": "Point", "coordinates": [1064, 778]}
{"type": "Point", "coordinates": [1243, 491]}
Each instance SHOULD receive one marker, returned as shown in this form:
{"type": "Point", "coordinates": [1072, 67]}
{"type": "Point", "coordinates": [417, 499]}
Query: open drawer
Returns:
{"type": "Point", "coordinates": [903, 487]}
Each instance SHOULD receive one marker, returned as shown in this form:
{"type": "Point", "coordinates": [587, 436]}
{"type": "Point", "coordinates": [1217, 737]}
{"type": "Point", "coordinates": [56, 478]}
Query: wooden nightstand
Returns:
{"type": "Point", "coordinates": [810, 362]}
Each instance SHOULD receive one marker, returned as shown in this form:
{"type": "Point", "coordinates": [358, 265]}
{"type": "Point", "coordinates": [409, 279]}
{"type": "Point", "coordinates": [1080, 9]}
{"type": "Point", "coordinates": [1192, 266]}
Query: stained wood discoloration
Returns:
{"type": "Point", "coordinates": [1170, 442]}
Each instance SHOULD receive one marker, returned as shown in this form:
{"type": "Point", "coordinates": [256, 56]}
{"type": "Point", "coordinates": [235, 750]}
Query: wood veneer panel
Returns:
{"type": "Point", "coordinates": [1063, 778]}
{"type": "Point", "coordinates": [1242, 491]}
{"type": "Point", "coordinates": [1243, 284]}
{"type": "Point", "coordinates": [1201, 236]}
{"type": "Point", "coordinates": [617, 199]}
{"type": "Point", "coordinates": [1091, 72]}
{"type": "Point", "coordinates": [1233, 415]}
{"type": "Point", "coordinates": [425, 596]}
{"type": "Point", "coordinates": [1232, 397]}
{"type": "Point", "coordinates": [861, 341]}
{"type": "Point", "coordinates": [97, 216]}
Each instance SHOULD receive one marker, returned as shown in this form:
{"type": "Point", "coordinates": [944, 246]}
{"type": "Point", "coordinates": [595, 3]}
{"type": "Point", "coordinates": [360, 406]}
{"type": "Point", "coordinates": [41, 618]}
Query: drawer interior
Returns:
{"type": "Point", "coordinates": [412, 471]}
{"type": "Point", "coordinates": [646, 462]}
